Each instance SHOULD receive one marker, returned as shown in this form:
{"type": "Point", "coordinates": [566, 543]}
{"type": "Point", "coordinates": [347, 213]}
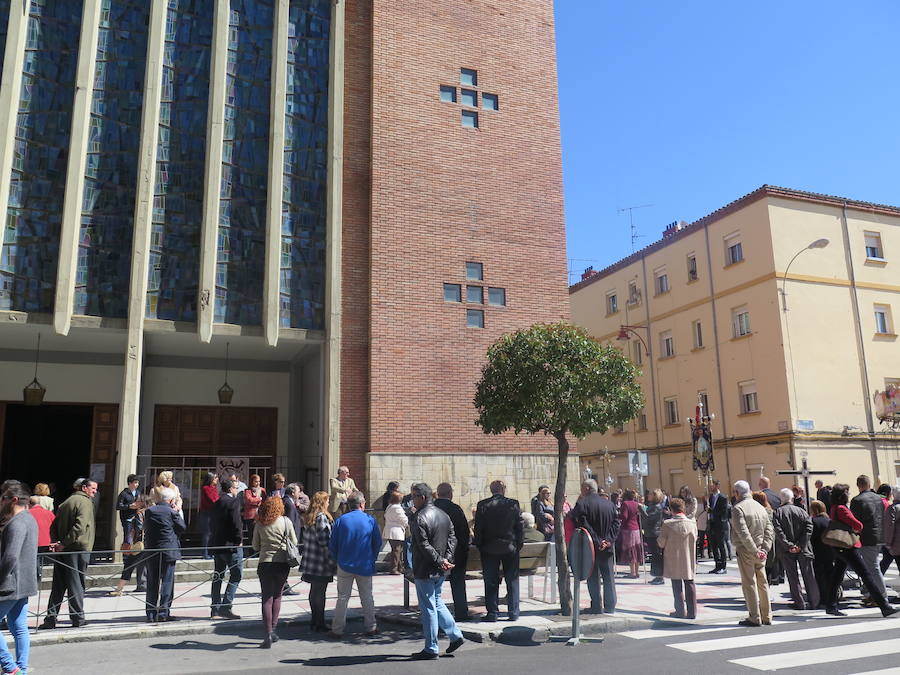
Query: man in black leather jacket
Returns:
{"type": "Point", "coordinates": [433, 545]}
{"type": "Point", "coordinates": [868, 508]}
{"type": "Point", "coordinates": [499, 537]}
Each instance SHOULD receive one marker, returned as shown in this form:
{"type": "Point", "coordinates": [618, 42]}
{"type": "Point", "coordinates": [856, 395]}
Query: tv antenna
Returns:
{"type": "Point", "coordinates": [634, 235]}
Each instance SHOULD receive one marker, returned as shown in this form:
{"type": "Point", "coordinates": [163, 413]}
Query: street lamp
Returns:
{"type": "Point", "coordinates": [624, 332]}
{"type": "Point", "coordinates": [818, 243]}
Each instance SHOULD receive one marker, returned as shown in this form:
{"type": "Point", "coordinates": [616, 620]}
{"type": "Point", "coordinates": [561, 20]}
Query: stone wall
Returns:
{"type": "Point", "coordinates": [470, 474]}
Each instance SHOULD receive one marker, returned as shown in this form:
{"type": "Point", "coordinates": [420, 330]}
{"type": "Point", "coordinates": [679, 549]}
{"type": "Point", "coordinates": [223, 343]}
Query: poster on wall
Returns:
{"type": "Point", "coordinates": [225, 466]}
{"type": "Point", "coordinates": [639, 462]}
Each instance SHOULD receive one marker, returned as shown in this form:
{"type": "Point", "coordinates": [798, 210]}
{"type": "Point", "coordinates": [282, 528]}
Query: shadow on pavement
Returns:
{"type": "Point", "coordinates": [343, 660]}
{"type": "Point", "coordinates": [205, 646]}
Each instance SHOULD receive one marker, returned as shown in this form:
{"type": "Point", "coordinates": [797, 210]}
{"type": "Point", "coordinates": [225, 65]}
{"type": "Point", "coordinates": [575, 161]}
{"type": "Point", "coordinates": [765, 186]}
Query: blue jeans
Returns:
{"type": "Point", "coordinates": [233, 561]}
{"type": "Point", "coordinates": [434, 613]}
{"type": "Point", "coordinates": [16, 613]}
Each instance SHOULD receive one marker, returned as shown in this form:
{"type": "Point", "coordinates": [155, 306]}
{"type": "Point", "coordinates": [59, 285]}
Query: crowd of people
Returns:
{"type": "Point", "coordinates": [773, 535]}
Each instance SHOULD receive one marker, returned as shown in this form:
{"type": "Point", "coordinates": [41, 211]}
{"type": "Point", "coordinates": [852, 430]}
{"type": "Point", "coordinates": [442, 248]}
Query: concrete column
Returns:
{"type": "Point", "coordinates": [10, 91]}
{"type": "Point", "coordinates": [331, 388]}
{"type": "Point", "coordinates": [278, 110]}
{"type": "Point", "coordinates": [129, 409]}
{"type": "Point", "coordinates": [212, 184]}
{"type": "Point", "coordinates": [78, 142]}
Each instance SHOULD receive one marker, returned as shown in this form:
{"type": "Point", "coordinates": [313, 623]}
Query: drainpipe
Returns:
{"type": "Point", "coordinates": [860, 343]}
{"type": "Point", "coordinates": [712, 299]}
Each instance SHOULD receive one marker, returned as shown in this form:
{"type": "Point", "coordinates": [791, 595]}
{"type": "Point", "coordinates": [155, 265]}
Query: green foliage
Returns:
{"type": "Point", "coordinates": [556, 378]}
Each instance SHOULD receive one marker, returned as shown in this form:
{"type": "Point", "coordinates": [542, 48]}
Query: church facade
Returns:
{"type": "Point", "coordinates": [281, 233]}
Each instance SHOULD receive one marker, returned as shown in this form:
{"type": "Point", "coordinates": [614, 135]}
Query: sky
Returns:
{"type": "Point", "coordinates": [686, 106]}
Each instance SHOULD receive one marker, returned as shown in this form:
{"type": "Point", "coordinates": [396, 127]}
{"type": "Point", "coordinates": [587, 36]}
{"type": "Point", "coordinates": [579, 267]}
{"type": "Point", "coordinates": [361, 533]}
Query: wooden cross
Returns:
{"type": "Point", "coordinates": [806, 472]}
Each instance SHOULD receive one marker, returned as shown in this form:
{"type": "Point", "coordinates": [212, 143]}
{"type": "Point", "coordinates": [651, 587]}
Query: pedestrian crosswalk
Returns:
{"type": "Point", "coordinates": [861, 642]}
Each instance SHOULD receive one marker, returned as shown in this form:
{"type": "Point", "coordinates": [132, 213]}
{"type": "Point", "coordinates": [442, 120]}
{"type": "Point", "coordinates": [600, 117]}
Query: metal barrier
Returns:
{"type": "Point", "coordinates": [67, 560]}
{"type": "Point", "coordinates": [549, 566]}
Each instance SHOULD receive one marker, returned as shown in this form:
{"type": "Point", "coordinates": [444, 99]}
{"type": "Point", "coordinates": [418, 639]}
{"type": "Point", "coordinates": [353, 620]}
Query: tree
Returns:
{"type": "Point", "coordinates": [556, 379]}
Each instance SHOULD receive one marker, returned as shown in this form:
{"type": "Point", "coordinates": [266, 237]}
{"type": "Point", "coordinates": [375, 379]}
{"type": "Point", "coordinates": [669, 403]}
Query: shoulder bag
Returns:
{"type": "Point", "coordinates": [839, 535]}
{"type": "Point", "coordinates": [287, 550]}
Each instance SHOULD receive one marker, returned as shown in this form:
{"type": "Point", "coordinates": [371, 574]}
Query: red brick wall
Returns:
{"type": "Point", "coordinates": [356, 230]}
{"type": "Point", "coordinates": [442, 195]}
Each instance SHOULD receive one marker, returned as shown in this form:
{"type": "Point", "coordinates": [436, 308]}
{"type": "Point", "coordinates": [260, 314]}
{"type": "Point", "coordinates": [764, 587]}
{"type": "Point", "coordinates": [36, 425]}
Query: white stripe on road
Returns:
{"type": "Point", "coordinates": [811, 657]}
{"type": "Point", "coordinates": [675, 631]}
{"type": "Point", "coordinates": [690, 628]}
{"type": "Point", "coordinates": [768, 637]}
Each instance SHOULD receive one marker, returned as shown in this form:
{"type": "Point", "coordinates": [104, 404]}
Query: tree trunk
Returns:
{"type": "Point", "coordinates": [559, 530]}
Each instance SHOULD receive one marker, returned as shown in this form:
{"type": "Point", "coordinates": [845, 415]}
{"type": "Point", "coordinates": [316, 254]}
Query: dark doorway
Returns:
{"type": "Point", "coordinates": [47, 444]}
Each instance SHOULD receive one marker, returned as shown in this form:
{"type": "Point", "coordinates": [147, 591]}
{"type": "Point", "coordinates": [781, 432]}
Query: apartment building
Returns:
{"type": "Point", "coordinates": [776, 313]}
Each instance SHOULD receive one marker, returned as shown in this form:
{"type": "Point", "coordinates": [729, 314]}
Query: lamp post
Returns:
{"type": "Point", "coordinates": [624, 332]}
{"type": "Point", "coordinates": [818, 243]}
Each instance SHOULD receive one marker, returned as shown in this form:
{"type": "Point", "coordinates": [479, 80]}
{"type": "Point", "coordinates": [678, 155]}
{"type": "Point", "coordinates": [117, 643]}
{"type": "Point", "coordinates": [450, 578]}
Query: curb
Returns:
{"type": "Point", "coordinates": [527, 635]}
{"type": "Point", "coordinates": [510, 635]}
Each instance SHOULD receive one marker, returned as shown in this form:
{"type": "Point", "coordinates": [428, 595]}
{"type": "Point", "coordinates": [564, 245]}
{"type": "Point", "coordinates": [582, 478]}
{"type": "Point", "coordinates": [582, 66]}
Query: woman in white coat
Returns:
{"type": "Point", "coordinates": [395, 522]}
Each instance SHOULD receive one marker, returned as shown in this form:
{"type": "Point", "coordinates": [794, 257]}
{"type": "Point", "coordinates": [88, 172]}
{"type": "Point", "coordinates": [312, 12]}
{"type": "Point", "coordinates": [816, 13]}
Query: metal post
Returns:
{"type": "Point", "coordinates": [551, 555]}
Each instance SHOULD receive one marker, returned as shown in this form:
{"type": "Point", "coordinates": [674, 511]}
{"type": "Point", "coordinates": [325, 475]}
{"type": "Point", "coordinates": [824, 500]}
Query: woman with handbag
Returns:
{"type": "Point", "coordinates": [272, 537]}
{"type": "Point", "coordinates": [843, 535]}
{"type": "Point", "coordinates": [317, 567]}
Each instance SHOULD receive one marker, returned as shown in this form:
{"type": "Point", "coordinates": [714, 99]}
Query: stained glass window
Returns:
{"type": "Point", "coordinates": [4, 21]}
{"type": "Point", "coordinates": [240, 262]}
{"type": "Point", "coordinates": [107, 211]}
{"type": "Point", "coordinates": [30, 248]}
{"type": "Point", "coordinates": [304, 200]}
{"type": "Point", "coordinates": [178, 201]}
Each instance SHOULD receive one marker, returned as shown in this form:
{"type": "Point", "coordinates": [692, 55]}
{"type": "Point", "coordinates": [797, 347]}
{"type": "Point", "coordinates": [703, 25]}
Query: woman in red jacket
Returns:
{"type": "Point", "coordinates": [209, 495]}
{"type": "Point", "coordinates": [849, 557]}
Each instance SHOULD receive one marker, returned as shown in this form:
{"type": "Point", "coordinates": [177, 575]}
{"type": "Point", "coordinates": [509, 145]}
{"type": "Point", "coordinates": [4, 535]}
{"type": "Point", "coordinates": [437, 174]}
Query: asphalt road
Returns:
{"type": "Point", "coordinates": [861, 644]}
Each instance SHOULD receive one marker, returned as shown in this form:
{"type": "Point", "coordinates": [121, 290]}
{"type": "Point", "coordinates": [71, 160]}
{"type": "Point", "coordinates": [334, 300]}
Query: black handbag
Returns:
{"type": "Point", "coordinates": [287, 551]}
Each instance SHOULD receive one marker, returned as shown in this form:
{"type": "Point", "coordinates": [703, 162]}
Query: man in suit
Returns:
{"type": "Point", "coordinates": [291, 512]}
{"type": "Point", "coordinates": [823, 494]}
{"type": "Point", "coordinates": [291, 501]}
{"type": "Point", "coordinates": [752, 534]}
{"type": "Point", "coordinates": [162, 526]}
{"type": "Point", "coordinates": [793, 530]}
{"type": "Point", "coordinates": [868, 508]}
{"type": "Point", "coordinates": [598, 516]}
{"type": "Point", "coordinates": [765, 487]}
{"type": "Point", "coordinates": [340, 490]}
{"type": "Point", "coordinates": [499, 536]}
{"type": "Point", "coordinates": [227, 533]}
{"type": "Point", "coordinates": [717, 527]}
{"type": "Point", "coordinates": [460, 554]}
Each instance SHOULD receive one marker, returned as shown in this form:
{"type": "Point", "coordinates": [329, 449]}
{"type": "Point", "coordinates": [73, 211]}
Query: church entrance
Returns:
{"type": "Point", "coordinates": [46, 444]}
{"type": "Point", "coordinates": [56, 443]}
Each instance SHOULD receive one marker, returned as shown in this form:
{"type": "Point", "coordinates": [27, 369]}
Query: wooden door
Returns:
{"type": "Point", "coordinates": [103, 461]}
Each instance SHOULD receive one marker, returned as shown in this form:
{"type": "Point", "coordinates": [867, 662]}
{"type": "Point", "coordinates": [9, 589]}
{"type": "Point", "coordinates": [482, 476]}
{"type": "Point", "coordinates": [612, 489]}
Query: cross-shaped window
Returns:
{"type": "Point", "coordinates": [474, 298]}
{"type": "Point", "coordinates": [468, 94]}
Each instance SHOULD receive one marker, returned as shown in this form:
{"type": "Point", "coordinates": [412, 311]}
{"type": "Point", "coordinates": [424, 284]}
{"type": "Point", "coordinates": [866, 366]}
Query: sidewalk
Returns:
{"type": "Point", "coordinates": [639, 606]}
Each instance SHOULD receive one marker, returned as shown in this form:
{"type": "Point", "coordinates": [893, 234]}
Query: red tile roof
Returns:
{"type": "Point", "coordinates": [759, 193]}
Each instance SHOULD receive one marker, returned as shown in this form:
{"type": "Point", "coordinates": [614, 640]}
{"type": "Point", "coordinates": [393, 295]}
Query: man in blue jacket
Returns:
{"type": "Point", "coordinates": [354, 545]}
